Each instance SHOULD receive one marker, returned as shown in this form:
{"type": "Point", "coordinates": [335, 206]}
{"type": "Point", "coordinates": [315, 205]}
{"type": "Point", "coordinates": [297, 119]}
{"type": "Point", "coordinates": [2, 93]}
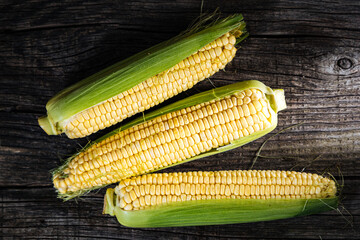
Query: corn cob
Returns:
{"type": "Point", "coordinates": [204, 124]}
{"type": "Point", "coordinates": [135, 85]}
{"type": "Point", "coordinates": [201, 198]}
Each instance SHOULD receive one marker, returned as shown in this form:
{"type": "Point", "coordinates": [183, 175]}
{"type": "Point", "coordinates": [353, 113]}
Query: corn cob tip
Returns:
{"type": "Point", "coordinates": [279, 96]}
{"type": "Point", "coordinates": [109, 202]}
{"type": "Point", "coordinates": [46, 124]}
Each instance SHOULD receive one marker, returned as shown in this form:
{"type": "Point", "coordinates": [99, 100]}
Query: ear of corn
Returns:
{"type": "Point", "coordinates": [143, 80]}
{"type": "Point", "coordinates": [202, 125]}
{"type": "Point", "coordinates": [224, 197]}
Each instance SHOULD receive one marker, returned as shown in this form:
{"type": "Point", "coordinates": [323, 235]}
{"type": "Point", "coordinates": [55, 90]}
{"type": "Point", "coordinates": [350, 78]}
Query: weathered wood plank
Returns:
{"type": "Point", "coordinates": [32, 212]}
{"type": "Point", "coordinates": [331, 18]}
{"type": "Point", "coordinates": [311, 49]}
{"type": "Point", "coordinates": [327, 103]}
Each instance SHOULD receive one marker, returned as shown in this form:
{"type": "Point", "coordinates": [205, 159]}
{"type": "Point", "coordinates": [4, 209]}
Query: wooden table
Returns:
{"type": "Point", "coordinates": [309, 48]}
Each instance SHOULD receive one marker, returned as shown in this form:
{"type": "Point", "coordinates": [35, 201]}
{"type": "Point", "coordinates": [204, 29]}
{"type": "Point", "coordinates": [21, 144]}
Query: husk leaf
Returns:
{"type": "Point", "coordinates": [216, 211]}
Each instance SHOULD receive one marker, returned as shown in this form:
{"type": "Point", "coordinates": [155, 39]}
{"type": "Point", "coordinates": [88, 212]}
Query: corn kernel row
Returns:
{"type": "Point", "coordinates": [148, 190]}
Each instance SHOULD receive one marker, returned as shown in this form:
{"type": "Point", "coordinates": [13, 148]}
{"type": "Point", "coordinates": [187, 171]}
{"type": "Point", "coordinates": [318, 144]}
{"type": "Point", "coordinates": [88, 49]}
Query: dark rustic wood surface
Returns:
{"type": "Point", "coordinates": [309, 48]}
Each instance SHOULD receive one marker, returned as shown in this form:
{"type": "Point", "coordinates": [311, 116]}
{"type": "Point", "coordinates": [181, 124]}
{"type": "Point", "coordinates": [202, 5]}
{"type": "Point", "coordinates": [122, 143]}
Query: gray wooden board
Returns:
{"type": "Point", "coordinates": [309, 48]}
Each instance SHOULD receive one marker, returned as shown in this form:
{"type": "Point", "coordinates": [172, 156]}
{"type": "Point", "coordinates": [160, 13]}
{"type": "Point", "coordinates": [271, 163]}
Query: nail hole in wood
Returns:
{"type": "Point", "coordinates": [344, 63]}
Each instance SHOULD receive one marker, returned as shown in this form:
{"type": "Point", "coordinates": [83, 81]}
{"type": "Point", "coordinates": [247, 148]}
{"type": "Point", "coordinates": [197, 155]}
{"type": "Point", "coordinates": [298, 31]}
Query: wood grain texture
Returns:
{"type": "Point", "coordinates": [309, 48]}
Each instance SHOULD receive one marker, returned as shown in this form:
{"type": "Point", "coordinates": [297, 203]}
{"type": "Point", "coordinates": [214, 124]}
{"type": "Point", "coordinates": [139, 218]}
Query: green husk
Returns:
{"type": "Point", "coordinates": [276, 100]}
{"type": "Point", "coordinates": [132, 71]}
{"type": "Point", "coordinates": [216, 212]}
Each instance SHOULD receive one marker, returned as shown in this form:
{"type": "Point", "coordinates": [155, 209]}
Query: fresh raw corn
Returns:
{"type": "Point", "coordinates": [140, 82]}
{"type": "Point", "coordinates": [201, 125]}
{"type": "Point", "coordinates": [205, 198]}
{"type": "Point", "coordinates": [154, 90]}
{"type": "Point", "coordinates": [153, 189]}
